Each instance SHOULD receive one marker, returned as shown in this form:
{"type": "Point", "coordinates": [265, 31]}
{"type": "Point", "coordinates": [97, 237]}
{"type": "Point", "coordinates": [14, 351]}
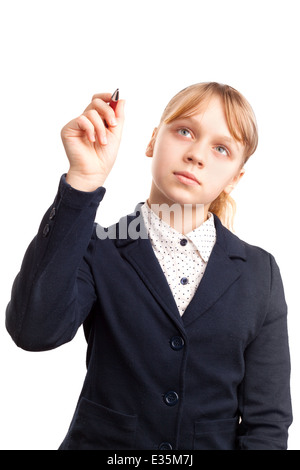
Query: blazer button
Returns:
{"type": "Point", "coordinates": [52, 213]}
{"type": "Point", "coordinates": [177, 343]}
{"type": "Point", "coordinates": [171, 398]}
{"type": "Point", "coordinates": [165, 446]}
{"type": "Point", "coordinates": [46, 230]}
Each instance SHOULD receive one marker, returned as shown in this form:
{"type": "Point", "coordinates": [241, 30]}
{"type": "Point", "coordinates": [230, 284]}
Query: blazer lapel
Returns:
{"type": "Point", "coordinates": [220, 273]}
{"type": "Point", "coordinates": [139, 253]}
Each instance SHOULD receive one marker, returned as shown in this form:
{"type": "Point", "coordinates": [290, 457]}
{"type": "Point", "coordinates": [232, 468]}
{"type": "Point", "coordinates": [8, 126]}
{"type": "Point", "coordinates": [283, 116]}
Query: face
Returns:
{"type": "Point", "coordinates": [194, 158]}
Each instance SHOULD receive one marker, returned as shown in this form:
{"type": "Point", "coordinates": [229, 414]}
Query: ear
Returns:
{"type": "Point", "coordinates": [234, 182]}
{"type": "Point", "coordinates": [150, 146]}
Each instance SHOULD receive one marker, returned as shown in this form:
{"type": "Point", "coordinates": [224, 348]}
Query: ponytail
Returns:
{"type": "Point", "coordinates": [224, 207]}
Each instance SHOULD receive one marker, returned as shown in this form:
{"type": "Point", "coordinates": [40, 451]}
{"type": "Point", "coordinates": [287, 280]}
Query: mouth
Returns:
{"type": "Point", "coordinates": [186, 178]}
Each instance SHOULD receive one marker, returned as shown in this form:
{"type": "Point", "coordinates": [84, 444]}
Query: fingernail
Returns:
{"type": "Point", "coordinates": [113, 122]}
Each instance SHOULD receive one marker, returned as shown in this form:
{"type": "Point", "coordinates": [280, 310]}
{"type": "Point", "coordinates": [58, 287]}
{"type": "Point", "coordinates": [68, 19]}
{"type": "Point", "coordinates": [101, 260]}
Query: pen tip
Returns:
{"type": "Point", "coordinates": [115, 95]}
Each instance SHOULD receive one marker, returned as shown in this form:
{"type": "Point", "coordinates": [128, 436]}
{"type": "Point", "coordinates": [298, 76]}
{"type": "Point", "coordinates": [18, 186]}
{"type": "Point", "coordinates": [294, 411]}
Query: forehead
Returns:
{"type": "Point", "coordinates": [208, 109]}
{"type": "Point", "coordinates": [210, 114]}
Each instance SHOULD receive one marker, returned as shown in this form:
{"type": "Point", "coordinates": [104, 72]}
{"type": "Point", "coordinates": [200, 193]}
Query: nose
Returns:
{"type": "Point", "coordinates": [195, 153]}
{"type": "Point", "coordinates": [194, 158]}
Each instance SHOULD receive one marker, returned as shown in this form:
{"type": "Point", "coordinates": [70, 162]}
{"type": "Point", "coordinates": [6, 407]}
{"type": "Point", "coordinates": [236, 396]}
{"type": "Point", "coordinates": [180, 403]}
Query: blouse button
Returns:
{"type": "Point", "coordinates": [184, 281]}
{"type": "Point", "coordinates": [183, 242]}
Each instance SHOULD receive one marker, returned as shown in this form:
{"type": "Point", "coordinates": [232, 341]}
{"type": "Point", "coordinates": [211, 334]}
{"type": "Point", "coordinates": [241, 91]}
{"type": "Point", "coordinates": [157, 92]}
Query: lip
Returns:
{"type": "Point", "coordinates": [186, 178]}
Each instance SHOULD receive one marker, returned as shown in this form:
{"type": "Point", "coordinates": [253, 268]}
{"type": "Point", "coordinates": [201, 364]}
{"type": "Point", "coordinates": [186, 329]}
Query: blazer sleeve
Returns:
{"type": "Point", "coordinates": [54, 290]}
{"type": "Point", "coordinates": [265, 402]}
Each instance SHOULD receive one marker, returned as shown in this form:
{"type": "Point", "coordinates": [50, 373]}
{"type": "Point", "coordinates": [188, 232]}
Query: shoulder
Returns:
{"type": "Point", "coordinates": [259, 266]}
{"type": "Point", "coordinates": [126, 230]}
{"type": "Point", "coordinates": [255, 257]}
{"type": "Point", "coordinates": [252, 250]}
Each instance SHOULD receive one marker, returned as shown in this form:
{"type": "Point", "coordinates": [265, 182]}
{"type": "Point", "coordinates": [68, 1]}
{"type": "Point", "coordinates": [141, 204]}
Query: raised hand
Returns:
{"type": "Point", "coordinates": [91, 142]}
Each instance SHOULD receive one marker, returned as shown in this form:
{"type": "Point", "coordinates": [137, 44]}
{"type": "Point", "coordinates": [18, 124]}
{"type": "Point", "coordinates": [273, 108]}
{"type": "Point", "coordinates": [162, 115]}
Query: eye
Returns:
{"type": "Point", "coordinates": [184, 132]}
{"type": "Point", "coordinates": [222, 150]}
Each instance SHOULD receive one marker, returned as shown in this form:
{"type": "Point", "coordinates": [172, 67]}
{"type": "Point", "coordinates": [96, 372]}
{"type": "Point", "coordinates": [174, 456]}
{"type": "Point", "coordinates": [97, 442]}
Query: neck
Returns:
{"type": "Point", "coordinates": [183, 218]}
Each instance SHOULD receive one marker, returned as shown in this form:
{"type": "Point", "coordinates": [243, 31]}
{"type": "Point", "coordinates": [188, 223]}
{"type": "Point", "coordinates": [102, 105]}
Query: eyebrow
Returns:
{"type": "Point", "coordinates": [225, 138]}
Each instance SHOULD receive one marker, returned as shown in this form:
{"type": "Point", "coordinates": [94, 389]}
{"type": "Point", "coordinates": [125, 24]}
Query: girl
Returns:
{"type": "Point", "coordinates": [186, 327]}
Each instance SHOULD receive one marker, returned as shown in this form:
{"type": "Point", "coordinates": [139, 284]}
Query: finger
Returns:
{"type": "Point", "coordinates": [86, 126]}
{"type": "Point", "coordinates": [106, 112]}
{"type": "Point", "coordinates": [98, 124]}
{"type": "Point", "coordinates": [102, 96]}
{"type": "Point", "coordinates": [119, 111]}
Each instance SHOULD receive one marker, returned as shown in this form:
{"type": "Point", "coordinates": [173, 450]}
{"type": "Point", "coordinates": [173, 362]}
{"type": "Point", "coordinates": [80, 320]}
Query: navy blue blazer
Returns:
{"type": "Point", "coordinates": [216, 378]}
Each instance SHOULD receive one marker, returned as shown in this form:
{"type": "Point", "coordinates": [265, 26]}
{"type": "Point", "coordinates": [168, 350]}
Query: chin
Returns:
{"type": "Point", "coordinates": [183, 201]}
{"type": "Point", "coordinates": [176, 195]}
{"type": "Point", "coordinates": [182, 197]}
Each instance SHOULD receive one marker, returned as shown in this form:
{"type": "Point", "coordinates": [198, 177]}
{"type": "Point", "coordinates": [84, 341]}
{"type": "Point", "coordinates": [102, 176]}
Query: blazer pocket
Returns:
{"type": "Point", "coordinates": [218, 434]}
{"type": "Point", "coordinates": [95, 427]}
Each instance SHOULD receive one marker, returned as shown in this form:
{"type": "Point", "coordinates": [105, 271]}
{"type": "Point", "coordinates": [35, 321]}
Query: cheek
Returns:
{"type": "Point", "coordinates": [163, 157]}
{"type": "Point", "coordinates": [160, 170]}
{"type": "Point", "coordinates": [220, 177]}
{"type": "Point", "coordinates": [223, 172]}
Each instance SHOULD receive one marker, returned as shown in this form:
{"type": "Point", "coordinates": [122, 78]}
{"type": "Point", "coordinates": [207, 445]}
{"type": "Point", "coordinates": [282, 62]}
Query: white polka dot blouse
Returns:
{"type": "Point", "coordinates": [183, 258]}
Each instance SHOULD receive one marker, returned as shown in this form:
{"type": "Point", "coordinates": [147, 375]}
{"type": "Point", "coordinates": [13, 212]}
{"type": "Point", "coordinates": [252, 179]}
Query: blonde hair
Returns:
{"type": "Point", "coordinates": [241, 123]}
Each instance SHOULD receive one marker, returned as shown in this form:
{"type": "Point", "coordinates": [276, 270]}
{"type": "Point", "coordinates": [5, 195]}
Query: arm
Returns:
{"type": "Point", "coordinates": [54, 290]}
{"type": "Point", "coordinates": [265, 401]}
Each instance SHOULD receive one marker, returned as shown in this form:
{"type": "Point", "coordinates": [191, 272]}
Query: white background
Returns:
{"type": "Point", "coordinates": [54, 57]}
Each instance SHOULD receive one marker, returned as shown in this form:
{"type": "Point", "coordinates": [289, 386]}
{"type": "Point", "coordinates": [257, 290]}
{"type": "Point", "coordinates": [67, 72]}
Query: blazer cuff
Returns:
{"type": "Point", "coordinates": [78, 199]}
